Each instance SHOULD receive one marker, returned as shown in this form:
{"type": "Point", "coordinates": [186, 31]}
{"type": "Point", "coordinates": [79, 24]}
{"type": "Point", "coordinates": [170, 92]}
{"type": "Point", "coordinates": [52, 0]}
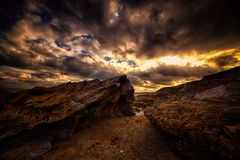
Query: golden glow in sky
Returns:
{"type": "Point", "coordinates": [180, 61]}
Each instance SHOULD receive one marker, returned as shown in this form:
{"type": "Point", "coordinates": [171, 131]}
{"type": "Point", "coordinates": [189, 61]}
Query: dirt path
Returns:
{"type": "Point", "coordinates": [128, 138]}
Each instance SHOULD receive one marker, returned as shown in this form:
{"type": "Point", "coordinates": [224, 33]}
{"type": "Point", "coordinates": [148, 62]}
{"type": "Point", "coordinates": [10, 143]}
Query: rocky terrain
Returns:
{"type": "Point", "coordinates": [94, 120]}
{"type": "Point", "coordinates": [125, 138]}
{"type": "Point", "coordinates": [221, 88]}
{"type": "Point", "coordinates": [33, 121]}
{"type": "Point", "coordinates": [201, 119]}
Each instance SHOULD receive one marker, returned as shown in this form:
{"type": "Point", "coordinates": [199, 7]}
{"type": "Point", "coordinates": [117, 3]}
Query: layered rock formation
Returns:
{"type": "Point", "coordinates": [222, 88]}
{"type": "Point", "coordinates": [201, 119]}
{"type": "Point", "coordinates": [32, 121]}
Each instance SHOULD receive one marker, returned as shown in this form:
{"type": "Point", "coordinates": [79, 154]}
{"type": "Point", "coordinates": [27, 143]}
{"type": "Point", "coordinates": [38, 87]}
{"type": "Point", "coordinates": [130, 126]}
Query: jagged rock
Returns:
{"type": "Point", "coordinates": [57, 112]}
{"type": "Point", "coordinates": [201, 119]}
{"type": "Point", "coordinates": [222, 87]}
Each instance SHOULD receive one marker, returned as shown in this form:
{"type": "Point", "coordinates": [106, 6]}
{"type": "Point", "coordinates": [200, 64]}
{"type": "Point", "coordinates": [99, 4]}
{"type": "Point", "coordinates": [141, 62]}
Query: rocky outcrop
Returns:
{"type": "Point", "coordinates": [31, 121]}
{"type": "Point", "coordinates": [201, 119]}
{"type": "Point", "coordinates": [221, 88]}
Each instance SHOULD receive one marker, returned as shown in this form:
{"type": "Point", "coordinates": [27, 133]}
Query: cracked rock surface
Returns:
{"type": "Point", "coordinates": [32, 121]}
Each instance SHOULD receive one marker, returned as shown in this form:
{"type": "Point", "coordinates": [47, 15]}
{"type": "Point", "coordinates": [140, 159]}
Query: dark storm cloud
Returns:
{"type": "Point", "coordinates": [87, 11]}
{"type": "Point", "coordinates": [74, 65]}
{"type": "Point", "coordinates": [38, 47]}
{"type": "Point", "coordinates": [184, 26]}
{"type": "Point", "coordinates": [134, 3]}
{"type": "Point", "coordinates": [86, 53]}
{"type": "Point", "coordinates": [12, 59]}
{"type": "Point", "coordinates": [10, 13]}
{"type": "Point", "coordinates": [15, 79]}
{"type": "Point", "coordinates": [65, 36]}
{"type": "Point", "coordinates": [38, 41]}
{"type": "Point", "coordinates": [60, 44]}
{"type": "Point", "coordinates": [107, 58]}
{"type": "Point", "coordinates": [132, 63]}
{"type": "Point", "coordinates": [225, 60]}
{"type": "Point", "coordinates": [171, 25]}
{"type": "Point", "coordinates": [196, 25]}
{"type": "Point", "coordinates": [43, 75]}
{"type": "Point", "coordinates": [165, 75]}
{"type": "Point", "coordinates": [52, 63]}
{"type": "Point", "coordinates": [61, 28]}
{"type": "Point", "coordinates": [27, 60]}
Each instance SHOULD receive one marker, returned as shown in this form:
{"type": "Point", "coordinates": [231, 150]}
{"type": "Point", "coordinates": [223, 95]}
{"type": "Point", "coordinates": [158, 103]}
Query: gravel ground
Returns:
{"type": "Point", "coordinates": [127, 138]}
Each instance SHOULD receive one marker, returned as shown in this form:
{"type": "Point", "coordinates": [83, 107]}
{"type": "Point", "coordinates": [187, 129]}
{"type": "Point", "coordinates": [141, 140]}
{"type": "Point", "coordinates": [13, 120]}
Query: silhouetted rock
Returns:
{"type": "Point", "coordinates": [55, 113]}
{"type": "Point", "coordinates": [201, 119]}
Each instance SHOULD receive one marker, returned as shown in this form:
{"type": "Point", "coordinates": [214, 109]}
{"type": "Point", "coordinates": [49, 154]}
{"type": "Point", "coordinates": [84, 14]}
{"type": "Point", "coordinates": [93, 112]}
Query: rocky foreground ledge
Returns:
{"type": "Point", "coordinates": [201, 119]}
{"type": "Point", "coordinates": [33, 121]}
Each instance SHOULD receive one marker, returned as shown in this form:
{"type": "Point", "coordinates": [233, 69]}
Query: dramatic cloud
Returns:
{"type": "Point", "coordinates": [157, 43]}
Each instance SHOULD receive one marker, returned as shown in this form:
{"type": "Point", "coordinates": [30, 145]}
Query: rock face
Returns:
{"type": "Point", "coordinates": [201, 119]}
{"type": "Point", "coordinates": [31, 121]}
{"type": "Point", "coordinates": [221, 88]}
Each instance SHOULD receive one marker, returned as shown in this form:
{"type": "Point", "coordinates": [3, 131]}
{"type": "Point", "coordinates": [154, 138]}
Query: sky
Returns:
{"type": "Point", "coordinates": [156, 43]}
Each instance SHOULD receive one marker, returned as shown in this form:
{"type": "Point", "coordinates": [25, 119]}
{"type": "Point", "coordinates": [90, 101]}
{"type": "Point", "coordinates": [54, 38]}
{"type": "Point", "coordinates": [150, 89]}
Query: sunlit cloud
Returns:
{"type": "Point", "coordinates": [181, 61]}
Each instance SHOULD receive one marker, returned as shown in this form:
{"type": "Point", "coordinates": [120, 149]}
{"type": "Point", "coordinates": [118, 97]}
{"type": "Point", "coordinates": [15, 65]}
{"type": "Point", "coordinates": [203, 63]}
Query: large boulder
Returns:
{"type": "Point", "coordinates": [201, 119]}
{"type": "Point", "coordinates": [31, 121]}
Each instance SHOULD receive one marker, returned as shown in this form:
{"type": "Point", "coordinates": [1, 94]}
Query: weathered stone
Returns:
{"type": "Point", "coordinates": [201, 119]}
{"type": "Point", "coordinates": [57, 112]}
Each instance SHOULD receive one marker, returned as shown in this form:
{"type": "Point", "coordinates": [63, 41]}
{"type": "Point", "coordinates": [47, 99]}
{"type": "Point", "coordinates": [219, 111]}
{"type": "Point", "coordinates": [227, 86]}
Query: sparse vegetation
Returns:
{"type": "Point", "coordinates": [139, 107]}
